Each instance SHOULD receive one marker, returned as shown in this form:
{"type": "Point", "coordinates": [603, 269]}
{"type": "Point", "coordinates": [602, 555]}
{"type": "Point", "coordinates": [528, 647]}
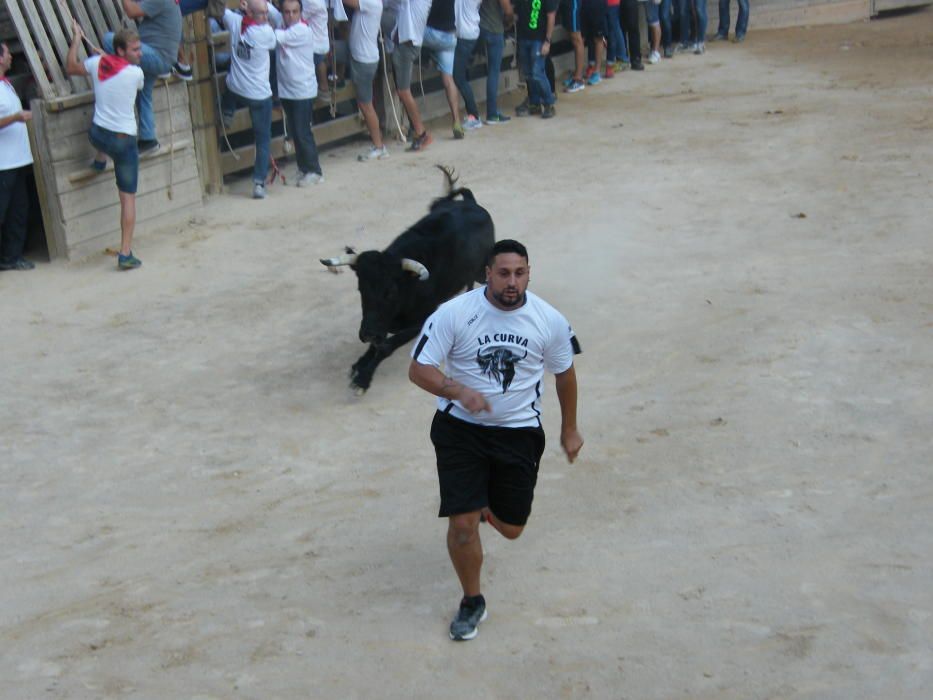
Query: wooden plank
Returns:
{"type": "Point", "coordinates": [101, 26]}
{"type": "Point", "coordinates": [154, 175]}
{"type": "Point", "coordinates": [325, 133]}
{"type": "Point", "coordinates": [79, 12]}
{"type": "Point", "coordinates": [58, 22]}
{"type": "Point", "coordinates": [85, 174]}
{"type": "Point", "coordinates": [32, 56]}
{"type": "Point", "coordinates": [52, 219]}
{"type": "Point", "coordinates": [203, 104]}
{"type": "Point", "coordinates": [812, 13]}
{"type": "Point", "coordinates": [113, 11]}
{"type": "Point", "coordinates": [886, 5]}
{"type": "Point", "coordinates": [62, 86]}
{"type": "Point", "coordinates": [104, 222]}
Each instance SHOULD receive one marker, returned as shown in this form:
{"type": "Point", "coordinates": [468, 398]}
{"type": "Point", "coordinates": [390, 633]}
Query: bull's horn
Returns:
{"type": "Point", "coordinates": [416, 268]}
{"type": "Point", "coordinates": [345, 259]}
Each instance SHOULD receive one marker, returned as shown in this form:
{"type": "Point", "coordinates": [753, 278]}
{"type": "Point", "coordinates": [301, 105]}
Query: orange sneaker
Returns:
{"type": "Point", "coordinates": [609, 72]}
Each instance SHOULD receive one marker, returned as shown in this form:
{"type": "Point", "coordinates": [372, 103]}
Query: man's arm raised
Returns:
{"type": "Point", "coordinates": [72, 65]}
{"type": "Point", "coordinates": [570, 438]}
{"type": "Point", "coordinates": [432, 380]}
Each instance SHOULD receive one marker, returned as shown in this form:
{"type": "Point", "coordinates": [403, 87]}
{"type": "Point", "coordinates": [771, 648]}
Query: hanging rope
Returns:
{"type": "Point", "coordinates": [388, 90]}
{"type": "Point", "coordinates": [171, 155]}
{"type": "Point", "coordinates": [212, 49]}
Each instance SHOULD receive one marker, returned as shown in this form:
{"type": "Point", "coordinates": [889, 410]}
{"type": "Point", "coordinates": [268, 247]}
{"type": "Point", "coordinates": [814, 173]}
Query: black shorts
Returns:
{"type": "Point", "coordinates": [570, 15]}
{"type": "Point", "coordinates": [480, 466]}
{"type": "Point", "coordinates": [593, 19]}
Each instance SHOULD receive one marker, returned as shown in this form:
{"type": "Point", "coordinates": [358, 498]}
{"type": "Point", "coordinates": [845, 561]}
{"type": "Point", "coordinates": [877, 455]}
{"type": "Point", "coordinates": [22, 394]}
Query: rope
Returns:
{"type": "Point", "coordinates": [385, 72]}
{"type": "Point", "coordinates": [220, 112]}
{"type": "Point", "coordinates": [171, 156]}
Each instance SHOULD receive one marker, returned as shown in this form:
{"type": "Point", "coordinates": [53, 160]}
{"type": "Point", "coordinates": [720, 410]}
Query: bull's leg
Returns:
{"type": "Point", "coordinates": [365, 367]}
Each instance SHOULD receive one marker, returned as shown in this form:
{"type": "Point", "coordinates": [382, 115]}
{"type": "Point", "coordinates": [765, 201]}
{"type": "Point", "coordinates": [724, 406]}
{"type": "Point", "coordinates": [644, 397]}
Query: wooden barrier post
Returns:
{"type": "Point", "coordinates": [203, 103]}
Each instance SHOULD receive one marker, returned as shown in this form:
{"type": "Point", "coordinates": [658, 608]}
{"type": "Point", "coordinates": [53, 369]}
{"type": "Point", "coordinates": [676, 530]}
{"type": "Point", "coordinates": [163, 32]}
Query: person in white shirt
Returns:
{"type": "Point", "coordinates": [294, 58]}
{"type": "Point", "coordinates": [116, 79]}
{"type": "Point", "coordinates": [407, 37]}
{"type": "Point", "coordinates": [467, 16]}
{"type": "Point", "coordinates": [251, 40]}
{"type": "Point", "coordinates": [364, 64]}
{"type": "Point", "coordinates": [494, 344]}
{"type": "Point", "coordinates": [314, 12]}
{"type": "Point", "coordinates": [15, 159]}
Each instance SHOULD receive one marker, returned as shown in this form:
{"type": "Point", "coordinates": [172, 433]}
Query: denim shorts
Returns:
{"type": "Point", "coordinates": [441, 46]}
{"type": "Point", "coordinates": [123, 150]}
{"type": "Point", "coordinates": [363, 75]}
{"type": "Point", "coordinates": [653, 11]}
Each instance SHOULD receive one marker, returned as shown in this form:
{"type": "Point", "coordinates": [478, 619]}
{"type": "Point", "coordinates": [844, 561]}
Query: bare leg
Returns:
{"type": "Point", "coordinates": [510, 532]}
{"type": "Point", "coordinates": [453, 97]}
{"type": "Point", "coordinates": [466, 550]}
{"type": "Point", "coordinates": [411, 108]}
{"type": "Point", "coordinates": [655, 30]}
{"type": "Point", "coordinates": [127, 221]}
{"type": "Point", "coordinates": [600, 46]}
{"type": "Point", "coordinates": [372, 123]}
{"type": "Point", "coordinates": [576, 39]}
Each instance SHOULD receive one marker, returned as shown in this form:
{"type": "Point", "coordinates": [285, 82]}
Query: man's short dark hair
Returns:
{"type": "Point", "coordinates": [124, 38]}
{"type": "Point", "coordinates": [506, 245]}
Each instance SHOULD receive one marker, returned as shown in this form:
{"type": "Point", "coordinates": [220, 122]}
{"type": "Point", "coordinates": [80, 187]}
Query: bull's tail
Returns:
{"type": "Point", "coordinates": [452, 191]}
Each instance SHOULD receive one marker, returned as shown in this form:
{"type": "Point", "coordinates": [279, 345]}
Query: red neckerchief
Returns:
{"type": "Point", "coordinates": [4, 79]}
{"type": "Point", "coordinates": [109, 66]}
{"type": "Point", "coordinates": [247, 23]}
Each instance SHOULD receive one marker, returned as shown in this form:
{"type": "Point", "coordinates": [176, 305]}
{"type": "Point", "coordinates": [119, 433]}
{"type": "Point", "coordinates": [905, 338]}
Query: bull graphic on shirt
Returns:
{"type": "Point", "coordinates": [498, 363]}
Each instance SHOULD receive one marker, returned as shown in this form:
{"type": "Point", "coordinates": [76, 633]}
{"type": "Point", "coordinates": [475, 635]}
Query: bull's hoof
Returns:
{"type": "Point", "coordinates": [358, 389]}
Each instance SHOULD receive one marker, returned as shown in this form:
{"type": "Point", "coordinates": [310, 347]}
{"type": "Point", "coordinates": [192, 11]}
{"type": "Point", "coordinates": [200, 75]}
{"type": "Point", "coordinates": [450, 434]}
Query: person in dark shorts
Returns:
{"type": "Point", "coordinates": [494, 344]}
{"type": "Point", "coordinates": [593, 21]}
{"type": "Point", "coordinates": [570, 18]}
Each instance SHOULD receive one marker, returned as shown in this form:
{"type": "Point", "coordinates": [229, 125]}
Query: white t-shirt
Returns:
{"type": "Point", "coordinates": [412, 19]}
{"type": "Point", "coordinates": [466, 13]}
{"type": "Point", "coordinates": [501, 354]}
{"type": "Point", "coordinates": [294, 60]}
{"type": "Point", "coordinates": [364, 31]}
{"type": "Point", "coordinates": [14, 138]}
{"type": "Point", "coordinates": [249, 64]}
{"type": "Point", "coordinates": [115, 98]}
{"type": "Point", "coordinates": [314, 12]}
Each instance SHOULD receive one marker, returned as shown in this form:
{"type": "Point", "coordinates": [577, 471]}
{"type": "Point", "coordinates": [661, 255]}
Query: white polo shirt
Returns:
{"type": "Point", "coordinates": [500, 354]}
{"type": "Point", "coordinates": [14, 138]}
{"type": "Point", "coordinates": [249, 64]}
{"type": "Point", "coordinates": [115, 97]}
{"type": "Point", "coordinates": [314, 12]}
{"type": "Point", "coordinates": [364, 31]}
{"type": "Point", "coordinates": [412, 19]}
{"type": "Point", "coordinates": [294, 62]}
{"type": "Point", "coordinates": [466, 13]}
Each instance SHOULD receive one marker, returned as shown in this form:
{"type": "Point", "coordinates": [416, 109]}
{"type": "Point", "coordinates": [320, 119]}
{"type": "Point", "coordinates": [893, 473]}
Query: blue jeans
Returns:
{"type": "Point", "coordinates": [539, 89]}
{"type": "Point", "coordinates": [666, 35]}
{"type": "Point", "coordinates": [495, 46]}
{"type": "Point", "coordinates": [153, 65]}
{"type": "Point", "coordinates": [260, 115]}
{"type": "Point", "coordinates": [617, 51]}
{"type": "Point", "coordinates": [298, 120]}
{"type": "Point", "coordinates": [741, 24]}
{"type": "Point", "coordinates": [462, 55]}
{"type": "Point", "coordinates": [686, 8]}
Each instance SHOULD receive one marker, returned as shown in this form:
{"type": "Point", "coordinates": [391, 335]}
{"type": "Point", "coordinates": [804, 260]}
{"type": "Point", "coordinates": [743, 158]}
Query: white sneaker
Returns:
{"type": "Point", "coordinates": [259, 191]}
{"type": "Point", "coordinates": [700, 49]}
{"type": "Point", "coordinates": [373, 154]}
{"type": "Point", "coordinates": [471, 123]}
{"type": "Point", "coordinates": [654, 57]}
{"type": "Point", "coordinates": [310, 179]}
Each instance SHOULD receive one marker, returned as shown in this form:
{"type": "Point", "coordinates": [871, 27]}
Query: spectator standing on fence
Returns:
{"type": "Point", "coordinates": [314, 12]}
{"type": "Point", "coordinates": [160, 34]}
{"type": "Point", "coordinates": [15, 159]}
{"type": "Point", "coordinates": [116, 78]}
{"type": "Point", "coordinates": [534, 24]}
{"type": "Point", "coordinates": [251, 40]}
{"type": "Point", "coordinates": [440, 39]}
{"type": "Point", "coordinates": [364, 65]}
{"type": "Point", "coordinates": [741, 24]}
{"type": "Point", "coordinates": [294, 58]}
{"type": "Point", "coordinates": [494, 16]}
{"type": "Point", "coordinates": [467, 16]}
{"type": "Point", "coordinates": [408, 35]}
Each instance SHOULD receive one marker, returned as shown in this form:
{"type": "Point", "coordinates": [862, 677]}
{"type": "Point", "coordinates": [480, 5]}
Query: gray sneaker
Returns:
{"type": "Point", "coordinates": [463, 627]}
{"type": "Point", "coordinates": [259, 190]}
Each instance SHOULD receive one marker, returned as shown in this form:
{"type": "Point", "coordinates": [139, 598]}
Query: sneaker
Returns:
{"type": "Point", "coordinates": [610, 71]}
{"type": "Point", "coordinates": [739, 38]}
{"type": "Point", "coordinates": [470, 614]}
{"type": "Point", "coordinates": [576, 86]}
{"type": "Point", "coordinates": [548, 111]}
{"type": "Point", "coordinates": [459, 133]}
{"type": "Point", "coordinates": [590, 69]}
{"type": "Point", "coordinates": [668, 52]}
{"type": "Point", "coordinates": [523, 109]}
{"type": "Point", "coordinates": [147, 146]}
{"type": "Point", "coordinates": [569, 81]}
{"type": "Point", "coordinates": [373, 154]}
{"type": "Point", "coordinates": [497, 119]}
{"type": "Point", "coordinates": [182, 71]}
{"type": "Point", "coordinates": [638, 66]}
{"type": "Point", "coordinates": [620, 65]}
{"type": "Point", "coordinates": [99, 165]}
{"type": "Point", "coordinates": [259, 190]}
{"type": "Point", "coordinates": [128, 262]}
{"type": "Point", "coordinates": [720, 37]}
{"type": "Point", "coordinates": [309, 179]}
{"type": "Point", "coordinates": [684, 48]}
{"type": "Point", "coordinates": [18, 263]}
{"type": "Point", "coordinates": [594, 79]}
{"type": "Point", "coordinates": [654, 58]}
{"type": "Point", "coordinates": [472, 123]}
{"type": "Point", "coordinates": [700, 49]}
{"type": "Point", "coordinates": [419, 143]}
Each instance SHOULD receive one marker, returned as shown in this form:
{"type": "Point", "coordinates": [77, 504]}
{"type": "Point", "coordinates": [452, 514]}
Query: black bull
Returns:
{"type": "Point", "coordinates": [442, 254]}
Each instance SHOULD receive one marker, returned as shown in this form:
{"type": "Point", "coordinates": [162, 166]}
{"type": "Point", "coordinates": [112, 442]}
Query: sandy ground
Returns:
{"type": "Point", "coordinates": [194, 505]}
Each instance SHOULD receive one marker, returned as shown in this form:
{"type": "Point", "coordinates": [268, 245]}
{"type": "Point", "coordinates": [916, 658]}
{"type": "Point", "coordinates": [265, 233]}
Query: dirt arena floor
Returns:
{"type": "Point", "coordinates": [194, 504]}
